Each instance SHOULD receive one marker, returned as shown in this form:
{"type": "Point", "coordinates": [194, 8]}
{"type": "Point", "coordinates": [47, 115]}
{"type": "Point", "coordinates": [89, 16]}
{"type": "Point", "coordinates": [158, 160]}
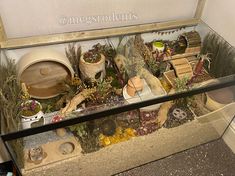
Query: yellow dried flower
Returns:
{"type": "Point", "coordinates": [111, 139]}
{"type": "Point", "coordinates": [130, 132]}
{"type": "Point", "coordinates": [101, 137]}
{"type": "Point", "coordinates": [76, 81]}
{"type": "Point", "coordinates": [119, 130]}
{"type": "Point", "coordinates": [25, 94]}
{"type": "Point", "coordinates": [119, 136]}
{"type": "Point", "coordinates": [107, 141]}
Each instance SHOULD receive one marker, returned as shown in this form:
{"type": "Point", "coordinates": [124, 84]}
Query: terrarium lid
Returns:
{"type": "Point", "coordinates": [43, 71]}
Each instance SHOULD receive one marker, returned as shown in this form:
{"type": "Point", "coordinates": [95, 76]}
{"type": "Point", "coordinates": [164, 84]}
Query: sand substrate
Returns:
{"type": "Point", "coordinates": [137, 151]}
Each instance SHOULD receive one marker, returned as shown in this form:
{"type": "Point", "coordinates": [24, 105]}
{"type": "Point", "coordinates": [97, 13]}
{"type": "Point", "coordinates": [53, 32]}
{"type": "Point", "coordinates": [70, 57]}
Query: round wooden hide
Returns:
{"type": "Point", "coordinates": [43, 71]}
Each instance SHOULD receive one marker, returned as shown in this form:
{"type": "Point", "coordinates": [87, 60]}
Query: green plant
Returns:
{"type": "Point", "coordinates": [103, 90]}
{"type": "Point", "coordinates": [181, 86]}
{"type": "Point", "coordinates": [104, 86]}
{"type": "Point", "coordinates": [80, 130]}
{"type": "Point", "coordinates": [153, 65]}
{"type": "Point", "coordinates": [111, 72]}
{"type": "Point", "coordinates": [87, 134]}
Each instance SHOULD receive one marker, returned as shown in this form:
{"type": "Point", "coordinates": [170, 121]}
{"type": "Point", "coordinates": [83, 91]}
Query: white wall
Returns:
{"type": "Point", "coordinates": [29, 17]}
{"type": "Point", "coordinates": [220, 16]}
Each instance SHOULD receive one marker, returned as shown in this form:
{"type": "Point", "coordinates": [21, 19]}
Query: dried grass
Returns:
{"type": "Point", "coordinates": [73, 53]}
{"type": "Point", "coordinates": [9, 96]}
{"type": "Point", "coordinates": [10, 103]}
{"type": "Point", "coordinates": [222, 55]}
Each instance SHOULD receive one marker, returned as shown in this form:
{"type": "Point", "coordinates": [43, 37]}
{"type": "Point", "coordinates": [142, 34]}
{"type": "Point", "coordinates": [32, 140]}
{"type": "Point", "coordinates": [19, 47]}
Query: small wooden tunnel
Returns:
{"type": "Point", "coordinates": [191, 41]}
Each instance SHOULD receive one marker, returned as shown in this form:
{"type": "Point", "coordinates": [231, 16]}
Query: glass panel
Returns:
{"type": "Point", "coordinates": [143, 75]}
{"type": "Point", "coordinates": [134, 137]}
{"type": "Point", "coordinates": [135, 69]}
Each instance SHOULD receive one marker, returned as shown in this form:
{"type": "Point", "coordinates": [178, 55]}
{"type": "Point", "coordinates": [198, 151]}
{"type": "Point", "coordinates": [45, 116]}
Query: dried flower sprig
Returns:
{"type": "Point", "coordinates": [73, 53]}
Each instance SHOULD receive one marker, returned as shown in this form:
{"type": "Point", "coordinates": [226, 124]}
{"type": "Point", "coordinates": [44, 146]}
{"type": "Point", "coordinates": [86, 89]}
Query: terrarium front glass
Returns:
{"type": "Point", "coordinates": [99, 75]}
{"type": "Point", "coordinates": [127, 139]}
{"type": "Point", "coordinates": [118, 76]}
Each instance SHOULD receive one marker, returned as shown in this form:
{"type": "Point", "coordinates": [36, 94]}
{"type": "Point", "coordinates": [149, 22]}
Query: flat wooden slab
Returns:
{"type": "Point", "coordinates": [53, 154]}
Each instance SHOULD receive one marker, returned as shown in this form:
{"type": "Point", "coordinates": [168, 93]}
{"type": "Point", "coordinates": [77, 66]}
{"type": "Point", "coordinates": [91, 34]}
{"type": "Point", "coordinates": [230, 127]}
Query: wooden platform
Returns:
{"type": "Point", "coordinates": [53, 153]}
{"type": "Point", "coordinates": [182, 68]}
{"type": "Point", "coordinates": [184, 55]}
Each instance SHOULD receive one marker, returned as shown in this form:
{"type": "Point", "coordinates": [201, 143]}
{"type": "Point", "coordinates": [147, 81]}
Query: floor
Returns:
{"type": "Point", "coordinates": [5, 168]}
{"type": "Point", "coordinates": [212, 159]}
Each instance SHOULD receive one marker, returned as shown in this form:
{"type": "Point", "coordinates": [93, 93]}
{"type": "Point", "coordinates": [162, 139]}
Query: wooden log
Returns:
{"type": "Point", "coordinates": [79, 98]}
{"type": "Point", "coordinates": [153, 82]}
{"type": "Point", "coordinates": [162, 114]}
{"type": "Point", "coordinates": [192, 39]}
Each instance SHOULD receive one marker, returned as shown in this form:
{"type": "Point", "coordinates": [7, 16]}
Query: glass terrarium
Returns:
{"type": "Point", "coordinates": [100, 105]}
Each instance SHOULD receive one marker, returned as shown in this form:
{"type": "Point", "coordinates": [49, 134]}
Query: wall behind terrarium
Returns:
{"type": "Point", "coordinates": [219, 15]}
{"type": "Point", "coordinates": [26, 17]}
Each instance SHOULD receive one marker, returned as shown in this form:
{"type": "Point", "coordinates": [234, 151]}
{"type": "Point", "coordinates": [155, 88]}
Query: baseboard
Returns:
{"type": "Point", "coordinates": [229, 137]}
